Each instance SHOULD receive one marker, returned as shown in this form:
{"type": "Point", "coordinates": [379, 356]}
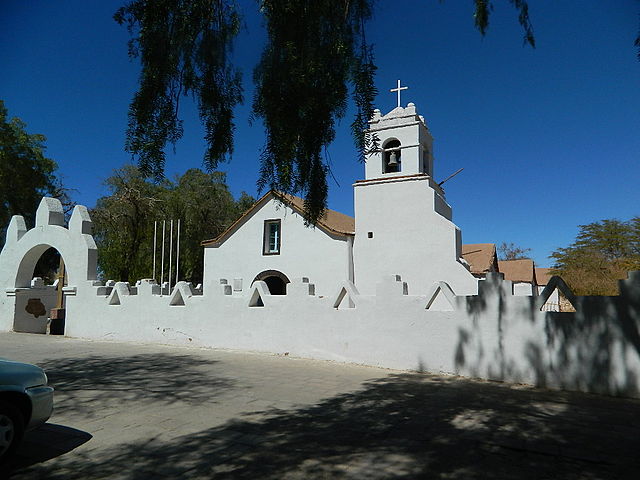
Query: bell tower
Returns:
{"type": "Point", "coordinates": [403, 222]}
{"type": "Point", "coordinates": [405, 141]}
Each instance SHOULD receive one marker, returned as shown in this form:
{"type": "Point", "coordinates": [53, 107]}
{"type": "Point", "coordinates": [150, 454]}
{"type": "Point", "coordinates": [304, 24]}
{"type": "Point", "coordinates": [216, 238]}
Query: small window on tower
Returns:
{"type": "Point", "coordinates": [271, 240]}
{"type": "Point", "coordinates": [425, 162]}
{"type": "Point", "coordinates": [391, 156]}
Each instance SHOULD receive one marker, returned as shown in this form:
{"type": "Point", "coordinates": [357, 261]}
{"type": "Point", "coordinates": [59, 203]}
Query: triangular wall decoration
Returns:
{"type": "Point", "coordinates": [259, 290]}
{"type": "Point", "coordinates": [176, 299]}
{"type": "Point", "coordinates": [181, 293]}
{"type": "Point", "coordinates": [441, 298]}
{"type": "Point", "coordinates": [555, 283]}
{"type": "Point", "coordinates": [120, 289]}
{"type": "Point", "coordinates": [346, 296]}
{"type": "Point", "coordinates": [114, 298]}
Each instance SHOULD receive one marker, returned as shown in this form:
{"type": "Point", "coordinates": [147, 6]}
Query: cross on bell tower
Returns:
{"type": "Point", "coordinates": [398, 89]}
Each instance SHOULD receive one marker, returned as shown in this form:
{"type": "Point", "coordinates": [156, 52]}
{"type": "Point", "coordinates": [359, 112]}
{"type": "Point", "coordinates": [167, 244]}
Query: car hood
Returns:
{"type": "Point", "coordinates": [21, 374]}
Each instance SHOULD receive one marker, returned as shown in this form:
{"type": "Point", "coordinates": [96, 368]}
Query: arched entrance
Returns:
{"type": "Point", "coordinates": [275, 280]}
{"type": "Point", "coordinates": [24, 247]}
{"type": "Point", "coordinates": [43, 298]}
{"type": "Point", "coordinates": [48, 265]}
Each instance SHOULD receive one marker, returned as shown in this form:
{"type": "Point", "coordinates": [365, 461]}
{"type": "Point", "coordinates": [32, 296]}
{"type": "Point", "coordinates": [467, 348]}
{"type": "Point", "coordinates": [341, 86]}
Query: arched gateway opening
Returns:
{"type": "Point", "coordinates": [48, 266]}
{"type": "Point", "coordinates": [40, 301]}
{"type": "Point", "coordinates": [22, 251]}
{"type": "Point", "coordinates": [275, 280]}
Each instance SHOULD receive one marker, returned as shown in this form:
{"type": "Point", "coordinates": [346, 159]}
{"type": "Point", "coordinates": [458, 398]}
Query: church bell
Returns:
{"type": "Point", "coordinates": [393, 159]}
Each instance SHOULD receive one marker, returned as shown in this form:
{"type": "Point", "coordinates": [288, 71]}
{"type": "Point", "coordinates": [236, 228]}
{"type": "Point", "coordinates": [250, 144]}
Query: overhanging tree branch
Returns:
{"type": "Point", "coordinates": [316, 54]}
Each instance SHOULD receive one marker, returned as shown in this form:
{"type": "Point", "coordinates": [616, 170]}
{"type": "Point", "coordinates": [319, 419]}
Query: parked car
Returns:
{"type": "Point", "coordinates": [26, 402]}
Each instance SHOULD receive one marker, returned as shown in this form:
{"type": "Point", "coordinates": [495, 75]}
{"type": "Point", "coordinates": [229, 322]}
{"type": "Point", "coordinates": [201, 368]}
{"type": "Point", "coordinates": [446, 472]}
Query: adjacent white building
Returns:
{"type": "Point", "coordinates": [522, 273]}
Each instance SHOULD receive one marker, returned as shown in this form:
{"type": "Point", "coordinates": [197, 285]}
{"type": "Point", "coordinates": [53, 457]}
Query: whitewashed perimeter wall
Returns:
{"type": "Point", "coordinates": [492, 335]}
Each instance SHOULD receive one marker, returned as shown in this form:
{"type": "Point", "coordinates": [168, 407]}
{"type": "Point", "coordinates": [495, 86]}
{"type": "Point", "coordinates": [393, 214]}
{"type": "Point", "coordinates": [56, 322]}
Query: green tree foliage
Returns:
{"type": "Point", "coordinates": [124, 221]}
{"type": "Point", "coordinates": [315, 51]}
{"type": "Point", "coordinates": [206, 208]}
{"type": "Point", "coordinates": [244, 203]}
{"type": "Point", "coordinates": [315, 56]}
{"type": "Point", "coordinates": [26, 175]}
{"type": "Point", "coordinates": [184, 48]}
{"type": "Point", "coordinates": [602, 254]}
{"type": "Point", "coordinates": [121, 224]}
{"type": "Point", "coordinates": [511, 251]}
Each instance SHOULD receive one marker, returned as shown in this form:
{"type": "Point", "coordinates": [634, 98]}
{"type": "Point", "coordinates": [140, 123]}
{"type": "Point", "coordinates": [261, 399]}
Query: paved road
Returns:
{"type": "Point", "coordinates": [127, 411]}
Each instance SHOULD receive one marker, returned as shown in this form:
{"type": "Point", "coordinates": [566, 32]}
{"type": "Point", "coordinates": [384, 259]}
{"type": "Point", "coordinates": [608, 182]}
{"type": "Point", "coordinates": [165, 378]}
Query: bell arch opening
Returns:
{"type": "Point", "coordinates": [392, 162]}
{"type": "Point", "coordinates": [275, 280]}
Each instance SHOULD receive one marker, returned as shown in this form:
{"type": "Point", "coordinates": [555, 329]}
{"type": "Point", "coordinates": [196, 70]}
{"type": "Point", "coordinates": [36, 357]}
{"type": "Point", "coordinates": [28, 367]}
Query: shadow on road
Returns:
{"type": "Point", "coordinates": [45, 443]}
{"type": "Point", "coordinates": [403, 426]}
{"type": "Point", "coordinates": [85, 386]}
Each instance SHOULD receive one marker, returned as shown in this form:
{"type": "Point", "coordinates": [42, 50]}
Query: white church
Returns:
{"type": "Point", "coordinates": [392, 287]}
{"type": "Point", "coordinates": [418, 241]}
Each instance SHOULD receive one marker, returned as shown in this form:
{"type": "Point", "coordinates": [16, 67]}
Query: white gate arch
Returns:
{"type": "Point", "coordinates": [24, 247]}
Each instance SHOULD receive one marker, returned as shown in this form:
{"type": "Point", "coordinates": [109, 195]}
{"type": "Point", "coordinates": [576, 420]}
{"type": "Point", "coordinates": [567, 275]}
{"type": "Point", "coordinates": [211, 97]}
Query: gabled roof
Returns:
{"type": "Point", "coordinates": [518, 270]}
{"type": "Point", "coordinates": [543, 275]}
{"type": "Point", "coordinates": [332, 221]}
{"type": "Point", "coordinates": [481, 257]}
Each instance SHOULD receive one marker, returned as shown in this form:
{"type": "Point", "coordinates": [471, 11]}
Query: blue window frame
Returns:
{"type": "Point", "coordinates": [272, 237]}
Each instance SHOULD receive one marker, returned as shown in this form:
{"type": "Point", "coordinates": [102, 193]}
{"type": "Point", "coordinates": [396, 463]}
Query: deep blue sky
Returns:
{"type": "Point", "coordinates": [548, 137]}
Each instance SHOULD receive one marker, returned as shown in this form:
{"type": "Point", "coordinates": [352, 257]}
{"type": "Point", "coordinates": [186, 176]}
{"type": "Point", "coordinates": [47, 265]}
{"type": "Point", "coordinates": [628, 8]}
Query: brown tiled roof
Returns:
{"type": "Point", "coordinates": [332, 221]}
{"type": "Point", "coordinates": [481, 257]}
{"type": "Point", "coordinates": [543, 275]}
{"type": "Point", "coordinates": [517, 270]}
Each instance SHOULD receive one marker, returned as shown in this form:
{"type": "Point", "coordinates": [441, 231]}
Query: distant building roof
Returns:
{"type": "Point", "coordinates": [518, 270]}
{"type": "Point", "coordinates": [543, 275]}
{"type": "Point", "coordinates": [481, 257]}
{"type": "Point", "coordinates": [332, 221]}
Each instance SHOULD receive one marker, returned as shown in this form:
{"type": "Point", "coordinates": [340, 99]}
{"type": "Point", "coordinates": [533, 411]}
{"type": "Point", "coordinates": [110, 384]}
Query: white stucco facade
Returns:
{"type": "Point", "coordinates": [525, 289]}
{"type": "Point", "coordinates": [396, 216]}
{"type": "Point", "coordinates": [316, 253]}
{"type": "Point", "coordinates": [402, 226]}
{"type": "Point", "coordinates": [403, 222]}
